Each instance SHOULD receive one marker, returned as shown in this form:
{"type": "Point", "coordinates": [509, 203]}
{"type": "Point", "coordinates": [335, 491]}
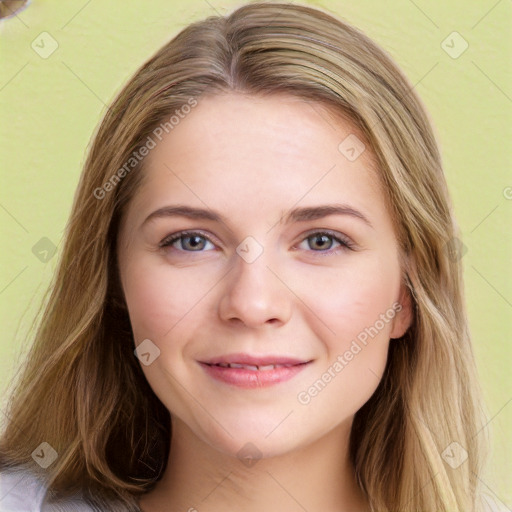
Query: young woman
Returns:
{"type": "Point", "coordinates": [255, 307]}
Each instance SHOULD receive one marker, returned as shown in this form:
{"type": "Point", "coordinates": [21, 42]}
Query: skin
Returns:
{"type": "Point", "coordinates": [252, 159]}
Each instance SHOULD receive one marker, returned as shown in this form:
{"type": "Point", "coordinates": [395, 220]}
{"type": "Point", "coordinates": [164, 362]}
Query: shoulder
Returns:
{"type": "Point", "coordinates": [20, 491]}
{"type": "Point", "coordinates": [23, 491]}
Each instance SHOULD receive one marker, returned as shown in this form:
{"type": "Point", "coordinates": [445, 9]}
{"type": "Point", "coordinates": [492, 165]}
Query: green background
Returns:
{"type": "Point", "coordinates": [50, 107]}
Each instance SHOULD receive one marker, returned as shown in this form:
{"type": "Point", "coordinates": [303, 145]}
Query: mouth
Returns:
{"type": "Point", "coordinates": [247, 371]}
{"type": "Point", "coordinates": [254, 367]}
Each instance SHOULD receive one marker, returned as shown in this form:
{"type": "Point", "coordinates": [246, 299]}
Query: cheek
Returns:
{"type": "Point", "coordinates": [348, 300]}
{"type": "Point", "coordinates": [353, 317]}
{"type": "Point", "coordinates": [161, 303]}
{"type": "Point", "coordinates": [358, 310]}
{"type": "Point", "coordinates": [159, 297]}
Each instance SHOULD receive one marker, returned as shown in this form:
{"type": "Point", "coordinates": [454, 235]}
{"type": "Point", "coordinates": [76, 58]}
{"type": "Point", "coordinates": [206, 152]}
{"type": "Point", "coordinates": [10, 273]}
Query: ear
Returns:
{"type": "Point", "coordinates": [404, 316]}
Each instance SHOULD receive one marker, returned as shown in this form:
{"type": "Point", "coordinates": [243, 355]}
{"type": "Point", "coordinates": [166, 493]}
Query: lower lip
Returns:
{"type": "Point", "coordinates": [253, 378]}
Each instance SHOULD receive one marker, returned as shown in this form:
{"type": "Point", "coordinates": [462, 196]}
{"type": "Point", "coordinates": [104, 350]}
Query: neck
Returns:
{"type": "Point", "coordinates": [199, 478]}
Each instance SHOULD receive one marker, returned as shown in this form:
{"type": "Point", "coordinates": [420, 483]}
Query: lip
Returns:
{"type": "Point", "coordinates": [241, 358]}
{"type": "Point", "coordinates": [250, 377]}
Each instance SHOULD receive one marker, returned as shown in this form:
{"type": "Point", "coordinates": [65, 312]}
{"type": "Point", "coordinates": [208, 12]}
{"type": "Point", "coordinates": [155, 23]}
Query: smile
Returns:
{"type": "Point", "coordinates": [246, 375]}
{"type": "Point", "coordinates": [253, 367]}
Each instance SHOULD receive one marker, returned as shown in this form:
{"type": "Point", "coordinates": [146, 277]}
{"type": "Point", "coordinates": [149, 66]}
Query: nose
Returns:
{"type": "Point", "coordinates": [254, 294]}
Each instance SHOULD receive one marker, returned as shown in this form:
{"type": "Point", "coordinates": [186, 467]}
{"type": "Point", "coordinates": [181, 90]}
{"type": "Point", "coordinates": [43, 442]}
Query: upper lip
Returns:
{"type": "Point", "coordinates": [255, 360]}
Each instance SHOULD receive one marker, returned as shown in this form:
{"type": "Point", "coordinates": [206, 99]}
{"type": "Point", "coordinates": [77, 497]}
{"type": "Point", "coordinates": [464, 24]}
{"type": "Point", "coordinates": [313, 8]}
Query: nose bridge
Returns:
{"type": "Point", "coordinates": [254, 294]}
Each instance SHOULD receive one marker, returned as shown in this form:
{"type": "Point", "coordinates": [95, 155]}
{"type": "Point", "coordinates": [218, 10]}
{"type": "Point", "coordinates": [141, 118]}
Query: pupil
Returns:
{"type": "Point", "coordinates": [318, 239]}
{"type": "Point", "coordinates": [195, 241]}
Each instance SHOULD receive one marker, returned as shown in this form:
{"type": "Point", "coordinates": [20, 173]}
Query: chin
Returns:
{"type": "Point", "coordinates": [248, 441]}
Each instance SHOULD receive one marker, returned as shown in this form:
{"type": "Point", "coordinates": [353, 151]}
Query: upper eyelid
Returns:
{"type": "Point", "coordinates": [184, 233]}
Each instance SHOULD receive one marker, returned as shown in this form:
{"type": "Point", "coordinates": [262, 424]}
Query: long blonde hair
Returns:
{"type": "Point", "coordinates": [82, 389]}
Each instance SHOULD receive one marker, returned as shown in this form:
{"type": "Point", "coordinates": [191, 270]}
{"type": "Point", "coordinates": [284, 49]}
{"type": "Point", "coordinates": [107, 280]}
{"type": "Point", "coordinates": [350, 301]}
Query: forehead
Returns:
{"type": "Point", "coordinates": [242, 152]}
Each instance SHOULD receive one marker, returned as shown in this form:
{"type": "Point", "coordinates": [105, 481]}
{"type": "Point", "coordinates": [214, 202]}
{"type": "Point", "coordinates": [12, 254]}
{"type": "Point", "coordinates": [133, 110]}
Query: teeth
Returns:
{"type": "Point", "coordinates": [252, 367]}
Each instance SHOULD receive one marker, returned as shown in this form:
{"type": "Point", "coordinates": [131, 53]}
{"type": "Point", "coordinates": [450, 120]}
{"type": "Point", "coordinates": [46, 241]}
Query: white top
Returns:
{"type": "Point", "coordinates": [21, 491]}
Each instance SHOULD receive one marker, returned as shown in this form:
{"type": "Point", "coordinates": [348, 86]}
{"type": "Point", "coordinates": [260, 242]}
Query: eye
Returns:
{"type": "Point", "coordinates": [323, 241]}
{"type": "Point", "coordinates": [190, 241]}
{"type": "Point", "coordinates": [195, 241]}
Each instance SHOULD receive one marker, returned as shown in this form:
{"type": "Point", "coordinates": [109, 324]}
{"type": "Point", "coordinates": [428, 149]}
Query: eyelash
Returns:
{"type": "Point", "coordinates": [345, 242]}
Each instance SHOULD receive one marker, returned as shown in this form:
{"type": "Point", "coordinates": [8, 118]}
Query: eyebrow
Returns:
{"type": "Point", "coordinates": [295, 215]}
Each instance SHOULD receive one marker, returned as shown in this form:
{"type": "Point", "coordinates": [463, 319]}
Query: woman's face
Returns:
{"type": "Point", "coordinates": [266, 273]}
